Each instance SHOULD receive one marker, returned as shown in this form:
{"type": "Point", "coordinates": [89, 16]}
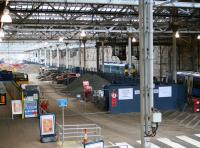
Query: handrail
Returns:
{"type": "Point", "coordinates": [77, 131]}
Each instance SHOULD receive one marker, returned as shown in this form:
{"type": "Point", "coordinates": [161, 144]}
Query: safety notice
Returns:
{"type": "Point", "coordinates": [125, 93]}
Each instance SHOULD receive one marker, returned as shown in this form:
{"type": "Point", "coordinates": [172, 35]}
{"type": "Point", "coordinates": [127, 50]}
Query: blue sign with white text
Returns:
{"type": "Point", "coordinates": [62, 102]}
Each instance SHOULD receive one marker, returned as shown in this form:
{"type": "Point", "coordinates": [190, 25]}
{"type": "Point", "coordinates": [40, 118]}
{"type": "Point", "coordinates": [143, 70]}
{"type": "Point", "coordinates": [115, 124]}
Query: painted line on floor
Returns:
{"type": "Point", "coordinates": [170, 143]}
{"type": "Point", "coordinates": [196, 124]}
{"type": "Point", "coordinates": [152, 145]}
{"type": "Point", "coordinates": [189, 140]}
{"type": "Point", "coordinates": [198, 135]}
{"type": "Point", "coordinates": [124, 145]}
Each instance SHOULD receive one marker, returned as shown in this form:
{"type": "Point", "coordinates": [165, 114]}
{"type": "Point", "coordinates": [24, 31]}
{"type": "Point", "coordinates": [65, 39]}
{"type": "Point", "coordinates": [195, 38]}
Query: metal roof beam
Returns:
{"type": "Point", "coordinates": [119, 2]}
{"type": "Point", "coordinates": [92, 30]}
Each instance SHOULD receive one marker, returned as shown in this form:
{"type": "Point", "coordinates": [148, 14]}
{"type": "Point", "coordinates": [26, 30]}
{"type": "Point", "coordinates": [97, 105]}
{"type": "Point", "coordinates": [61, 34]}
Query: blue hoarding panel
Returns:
{"type": "Point", "coordinates": [172, 99]}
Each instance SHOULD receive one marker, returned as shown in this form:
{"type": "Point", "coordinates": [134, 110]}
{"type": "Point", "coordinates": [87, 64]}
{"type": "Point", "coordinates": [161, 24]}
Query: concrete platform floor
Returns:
{"type": "Point", "coordinates": [115, 128]}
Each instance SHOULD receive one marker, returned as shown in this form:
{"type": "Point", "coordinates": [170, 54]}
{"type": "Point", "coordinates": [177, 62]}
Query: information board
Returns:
{"type": "Point", "coordinates": [165, 91]}
{"type": "Point", "coordinates": [125, 93]}
{"type": "Point", "coordinates": [47, 124]}
{"type": "Point", "coordinates": [16, 107]}
{"type": "Point", "coordinates": [30, 107]}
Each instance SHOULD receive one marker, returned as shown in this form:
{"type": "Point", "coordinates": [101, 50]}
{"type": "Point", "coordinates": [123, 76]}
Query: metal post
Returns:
{"type": "Point", "coordinates": [84, 54]}
{"type": "Point", "coordinates": [63, 123]}
{"type": "Point", "coordinates": [129, 52]}
{"type": "Point", "coordinates": [102, 50]}
{"type": "Point", "coordinates": [174, 70]}
{"type": "Point", "coordinates": [97, 51]}
{"type": "Point", "coordinates": [198, 55]}
{"type": "Point", "coordinates": [67, 59]}
{"type": "Point", "coordinates": [58, 57]}
{"type": "Point", "coordinates": [80, 54]}
{"type": "Point", "coordinates": [45, 56]}
{"type": "Point", "coordinates": [146, 68]}
{"type": "Point", "coordinates": [141, 62]}
{"type": "Point", "coordinates": [160, 63]}
{"type": "Point", "coordinates": [150, 34]}
{"type": "Point", "coordinates": [40, 52]}
{"type": "Point", "coordinates": [38, 58]}
{"type": "Point", "coordinates": [51, 60]}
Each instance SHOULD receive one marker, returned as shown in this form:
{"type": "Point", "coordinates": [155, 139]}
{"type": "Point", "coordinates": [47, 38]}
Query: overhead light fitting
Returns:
{"type": "Point", "coordinates": [61, 39]}
{"type": "Point", "coordinates": [177, 34]}
{"type": "Point", "coordinates": [83, 34]}
{"type": "Point", "coordinates": [45, 43]}
{"type": "Point", "coordinates": [2, 33]}
{"type": "Point", "coordinates": [6, 18]}
{"type": "Point", "coordinates": [198, 37]}
{"type": "Point", "coordinates": [134, 40]}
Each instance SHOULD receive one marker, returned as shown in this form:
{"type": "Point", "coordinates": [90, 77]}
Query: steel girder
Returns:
{"type": "Point", "coordinates": [48, 20]}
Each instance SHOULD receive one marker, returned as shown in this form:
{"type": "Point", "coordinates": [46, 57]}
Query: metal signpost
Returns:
{"type": "Point", "coordinates": [62, 103]}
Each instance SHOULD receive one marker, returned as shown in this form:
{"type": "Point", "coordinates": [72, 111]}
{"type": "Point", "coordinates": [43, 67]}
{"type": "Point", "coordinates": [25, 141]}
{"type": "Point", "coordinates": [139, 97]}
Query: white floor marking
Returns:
{"type": "Point", "coordinates": [189, 140]}
{"type": "Point", "coordinates": [152, 145]}
{"type": "Point", "coordinates": [124, 145]}
{"type": "Point", "coordinates": [198, 135]}
{"type": "Point", "coordinates": [170, 143]}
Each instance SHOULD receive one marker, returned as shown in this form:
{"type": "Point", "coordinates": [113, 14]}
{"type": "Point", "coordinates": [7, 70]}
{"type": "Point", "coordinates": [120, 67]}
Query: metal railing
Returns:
{"type": "Point", "coordinates": [76, 132]}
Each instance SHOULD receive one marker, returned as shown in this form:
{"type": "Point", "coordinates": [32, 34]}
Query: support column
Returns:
{"type": "Point", "coordinates": [129, 53]}
{"type": "Point", "coordinates": [102, 51]}
{"type": "Point", "coordinates": [97, 52]}
{"type": "Point", "coordinates": [50, 57]}
{"type": "Point", "coordinates": [58, 57]}
{"type": "Point", "coordinates": [174, 67]}
{"type": "Point", "coordinates": [38, 58]}
{"type": "Point", "coordinates": [146, 69]}
{"type": "Point", "coordinates": [45, 56]}
{"type": "Point", "coordinates": [67, 59]}
{"type": "Point", "coordinates": [79, 53]}
{"type": "Point", "coordinates": [40, 52]}
{"type": "Point", "coordinates": [84, 55]}
{"type": "Point", "coordinates": [198, 52]}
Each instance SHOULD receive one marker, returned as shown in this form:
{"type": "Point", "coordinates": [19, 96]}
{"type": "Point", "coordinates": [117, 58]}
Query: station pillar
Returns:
{"type": "Point", "coordinates": [174, 59]}
{"type": "Point", "coordinates": [45, 56]}
{"type": "Point", "coordinates": [67, 58]}
{"type": "Point", "coordinates": [58, 57]}
{"type": "Point", "coordinates": [50, 57]}
{"type": "Point", "coordinates": [102, 51]}
{"type": "Point", "coordinates": [129, 52]}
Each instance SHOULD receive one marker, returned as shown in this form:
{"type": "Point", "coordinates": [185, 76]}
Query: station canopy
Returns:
{"type": "Point", "coordinates": [48, 20]}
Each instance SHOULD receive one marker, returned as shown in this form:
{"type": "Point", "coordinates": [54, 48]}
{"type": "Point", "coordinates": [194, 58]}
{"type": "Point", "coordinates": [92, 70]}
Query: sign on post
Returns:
{"type": "Point", "coordinates": [62, 102]}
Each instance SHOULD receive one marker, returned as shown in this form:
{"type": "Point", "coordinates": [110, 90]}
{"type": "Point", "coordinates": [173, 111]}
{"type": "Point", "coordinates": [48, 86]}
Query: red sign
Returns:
{"type": "Point", "coordinates": [114, 99]}
{"type": "Point", "coordinates": [114, 102]}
